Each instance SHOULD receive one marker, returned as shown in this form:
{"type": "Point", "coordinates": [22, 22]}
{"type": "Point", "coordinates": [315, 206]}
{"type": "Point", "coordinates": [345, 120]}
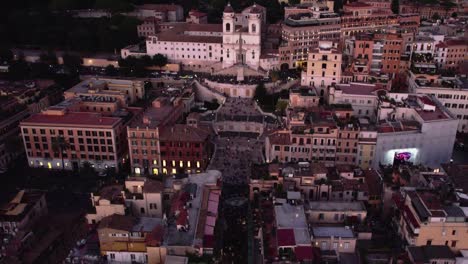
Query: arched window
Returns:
{"type": "Point", "coordinates": [228, 27]}
{"type": "Point", "coordinates": [254, 28]}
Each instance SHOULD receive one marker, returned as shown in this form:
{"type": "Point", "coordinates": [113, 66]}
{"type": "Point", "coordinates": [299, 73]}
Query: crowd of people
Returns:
{"type": "Point", "coordinates": [234, 157]}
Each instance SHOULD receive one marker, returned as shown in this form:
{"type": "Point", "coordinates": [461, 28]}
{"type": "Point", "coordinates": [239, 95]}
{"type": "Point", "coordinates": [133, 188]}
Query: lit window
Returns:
{"type": "Point", "coordinates": [164, 163]}
{"type": "Point", "coordinates": [188, 164]}
{"type": "Point", "coordinates": [49, 165]}
{"type": "Point", "coordinates": [198, 164]}
{"type": "Point", "coordinates": [174, 171]}
{"type": "Point", "coordinates": [155, 171]}
{"type": "Point", "coordinates": [137, 170]}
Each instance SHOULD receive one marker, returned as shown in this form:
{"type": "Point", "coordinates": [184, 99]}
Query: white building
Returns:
{"type": "Point", "coordinates": [452, 92]}
{"type": "Point", "coordinates": [414, 128]}
{"type": "Point", "coordinates": [212, 47]}
{"type": "Point", "coordinates": [362, 96]}
{"type": "Point", "coordinates": [323, 67]}
{"type": "Point", "coordinates": [242, 36]}
{"type": "Point", "coordinates": [426, 42]}
{"type": "Point", "coordinates": [193, 45]}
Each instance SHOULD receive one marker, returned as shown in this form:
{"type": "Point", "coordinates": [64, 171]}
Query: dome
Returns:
{"type": "Point", "coordinates": [228, 9]}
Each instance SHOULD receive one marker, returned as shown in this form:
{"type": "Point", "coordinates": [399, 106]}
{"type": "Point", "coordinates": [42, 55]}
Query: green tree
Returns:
{"type": "Point", "coordinates": [6, 55]}
{"type": "Point", "coordinates": [87, 171]}
{"type": "Point", "coordinates": [294, 2]}
{"type": "Point", "coordinates": [274, 75]}
{"type": "Point", "coordinates": [281, 106]}
{"type": "Point", "coordinates": [49, 58]}
{"type": "Point", "coordinates": [159, 60]}
{"type": "Point", "coordinates": [148, 87]}
{"type": "Point", "coordinates": [260, 93]}
{"type": "Point", "coordinates": [73, 62]}
{"type": "Point", "coordinates": [114, 6]}
{"type": "Point", "coordinates": [146, 60]}
{"type": "Point", "coordinates": [435, 16]}
{"type": "Point", "coordinates": [454, 15]}
{"type": "Point", "coordinates": [18, 70]}
{"type": "Point", "coordinates": [60, 144]}
{"type": "Point", "coordinates": [395, 6]}
{"type": "Point", "coordinates": [110, 70]}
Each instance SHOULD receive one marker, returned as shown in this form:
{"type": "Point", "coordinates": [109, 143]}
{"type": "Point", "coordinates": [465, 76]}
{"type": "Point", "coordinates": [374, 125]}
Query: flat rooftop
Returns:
{"type": "Point", "coordinates": [173, 237]}
{"type": "Point", "coordinates": [290, 216]}
{"type": "Point", "coordinates": [72, 119]}
{"type": "Point", "coordinates": [335, 206]}
{"type": "Point", "coordinates": [332, 231]}
{"type": "Point", "coordinates": [359, 88]}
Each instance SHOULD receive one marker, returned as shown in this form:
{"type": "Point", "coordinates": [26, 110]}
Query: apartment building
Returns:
{"type": "Point", "coordinates": [159, 146]}
{"type": "Point", "coordinates": [143, 197]}
{"type": "Point", "coordinates": [334, 212]}
{"type": "Point", "coordinates": [347, 141]}
{"type": "Point", "coordinates": [406, 122]}
{"type": "Point", "coordinates": [363, 97]}
{"type": "Point", "coordinates": [323, 67]}
{"type": "Point", "coordinates": [149, 27]}
{"type": "Point", "coordinates": [162, 12]}
{"type": "Point", "coordinates": [377, 53]}
{"type": "Point", "coordinates": [367, 141]}
{"type": "Point", "coordinates": [426, 11]}
{"type": "Point", "coordinates": [185, 148]}
{"type": "Point", "coordinates": [455, 52]}
{"type": "Point", "coordinates": [423, 220]}
{"type": "Point", "coordinates": [125, 91]}
{"type": "Point", "coordinates": [125, 239]}
{"type": "Point", "coordinates": [361, 17]}
{"type": "Point", "coordinates": [77, 131]}
{"type": "Point", "coordinates": [291, 224]}
{"type": "Point", "coordinates": [137, 197]}
{"type": "Point", "coordinates": [144, 134]}
{"type": "Point", "coordinates": [431, 254]}
{"type": "Point", "coordinates": [17, 218]}
{"type": "Point", "coordinates": [303, 97]}
{"type": "Point", "coordinates": [334, 238]}
{"type": "Point", "coordinates": [108, 201]}
{"type": "Point", "coordinates": [452, 92]}
{"type": "Point", "coordinates": [197, 17]}
{"type": "Point", "coordinates": [302, 30]}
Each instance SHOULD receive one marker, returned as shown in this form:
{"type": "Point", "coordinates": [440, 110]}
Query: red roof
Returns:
{"type": "Point", "coordinates": [426, 100]}
{"type": "Point", "coordinates": [304, 253]}
{"type": "Point", "coordinates": [182, 218]}
{"type": "Point", "coordinates": [286, 237]}
{"type": "Point", "coordinates": [208, 241]}
{"type": "Point", "coordinates": [411, 217]}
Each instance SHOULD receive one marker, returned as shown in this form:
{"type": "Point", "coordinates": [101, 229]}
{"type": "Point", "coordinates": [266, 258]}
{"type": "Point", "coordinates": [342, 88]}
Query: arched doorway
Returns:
{"type": "Point", "coordinates": [284, 66]}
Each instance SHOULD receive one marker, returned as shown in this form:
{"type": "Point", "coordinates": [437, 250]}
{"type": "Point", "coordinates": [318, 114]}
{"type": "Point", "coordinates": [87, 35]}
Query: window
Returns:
{"type": "Point", "coordinates": [321, 216]}
{"type": "Point", "coordinates": [153, 206]}
{"type": "Point", "coordinates": [132, 257]}
{"type": "Point", "coordinates": [346, 245]}
{"type": "Point", "coordinates": [454, 243]}
{"type": "Point", "coordinates": [429, 242]}
{"type": "Point", "coordinates": [454, 232]}
{"type": "Point", "coordinates": [228, 27]}
{"type": "Point", "coordinates": [323, 245]}
{"type": "Point", "coordinates": [112, 255]}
